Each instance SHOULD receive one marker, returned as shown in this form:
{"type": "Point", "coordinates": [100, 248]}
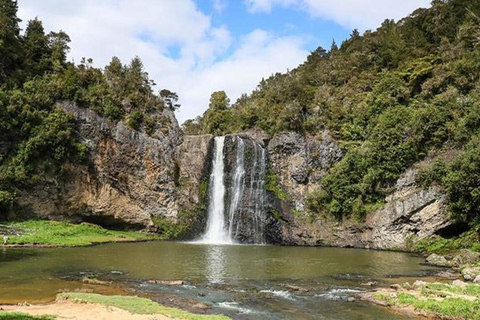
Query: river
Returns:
{"type": "Point", "coordinates": [242, 281]}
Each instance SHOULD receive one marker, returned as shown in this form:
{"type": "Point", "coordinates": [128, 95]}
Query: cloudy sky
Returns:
{"type": "Point", "coordinates": [195, 47]}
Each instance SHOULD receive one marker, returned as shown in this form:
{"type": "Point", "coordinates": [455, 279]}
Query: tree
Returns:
{"type": "Point", "coordinates": [170, 99]}
{"type": "Point", "coordinates": [37, 50]}
{"type": "Point", "coordinates": [10, 45]}
{"type": "Point", "coordinates": [58, 43]}
{"type": "Point", "coordinates": [219, 101]}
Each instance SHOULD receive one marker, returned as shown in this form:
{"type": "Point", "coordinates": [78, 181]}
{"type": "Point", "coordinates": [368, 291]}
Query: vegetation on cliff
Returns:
{"type": "Point", "coordinates": [406, 92]}
{"type": "Point", "coordinates": [36, 137]}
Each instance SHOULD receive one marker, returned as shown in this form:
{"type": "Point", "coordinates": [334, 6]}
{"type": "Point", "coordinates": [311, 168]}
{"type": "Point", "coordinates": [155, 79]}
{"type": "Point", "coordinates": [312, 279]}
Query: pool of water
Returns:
{"type": "Point", "coordinates": [244, 282]}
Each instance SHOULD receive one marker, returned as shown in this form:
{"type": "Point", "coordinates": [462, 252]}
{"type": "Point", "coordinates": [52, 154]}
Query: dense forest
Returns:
{"type": "Point", "coordinates": [407, 92]}
{"type": "Point", "coordinates": [36, 136]}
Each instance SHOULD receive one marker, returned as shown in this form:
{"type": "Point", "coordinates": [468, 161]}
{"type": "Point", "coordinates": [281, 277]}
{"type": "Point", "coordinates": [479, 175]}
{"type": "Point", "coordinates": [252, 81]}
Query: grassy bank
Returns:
{"type": "Point", "coordinates": [137, 305]}
{"type": "Point", "coordinates": [22, 316]}
{"type": "Point", "coordinates": [446, 301]}
{"type": "Point", "coordinates": [437, 244]}
{"type": "Point", "coordinates": [55, 233]}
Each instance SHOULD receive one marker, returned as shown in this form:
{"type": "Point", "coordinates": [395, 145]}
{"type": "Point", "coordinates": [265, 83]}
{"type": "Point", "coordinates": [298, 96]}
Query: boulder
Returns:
{"type": "Point", "coordinates": [419, 283]}
{"type": "Point", "coordinates": [459, 283]}
{"type": "Point", "coordinates": [437, 260]}
{"type": "Point", "coordinates": [477, 279]}
{"type": "Point", "coordinates": [470, 273]}
{"type": "Point", "coordinates": [465, 257]}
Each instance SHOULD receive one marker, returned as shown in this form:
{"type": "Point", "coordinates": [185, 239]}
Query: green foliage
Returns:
{"type": "Point", "coordinates": [136, 305]}
{"type": "Point", "coordinates": [272, 185]}
{"type": "Point", "coordinates": [23, 316]}
{"type": "Point", "coordinates": [38, 139]}
{"type": "Point", "coordinates": [68, 234]}
{"type": "Point", "coordinates": [468, 240]}
{"type": "Point", "coordinates": [135, 120]}
{"type": "Point", "coordinates": [449, 307]}
{"type": "Point", "coordinates": [441, 300]}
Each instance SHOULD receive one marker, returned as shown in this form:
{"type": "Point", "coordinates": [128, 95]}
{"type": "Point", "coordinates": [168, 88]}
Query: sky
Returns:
{"type": "Point", "coordinates": [196, 47]}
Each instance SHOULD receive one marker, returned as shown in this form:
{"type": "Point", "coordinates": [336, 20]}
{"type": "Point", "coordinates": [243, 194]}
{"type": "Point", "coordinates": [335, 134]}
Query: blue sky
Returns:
{"type": "Point", "coordinates": [196, 47]}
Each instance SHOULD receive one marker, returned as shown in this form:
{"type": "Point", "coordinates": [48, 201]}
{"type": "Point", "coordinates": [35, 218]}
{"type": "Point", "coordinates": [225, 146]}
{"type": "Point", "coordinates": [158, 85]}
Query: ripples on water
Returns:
{"type": "Point", "coordinates": [245, 282]}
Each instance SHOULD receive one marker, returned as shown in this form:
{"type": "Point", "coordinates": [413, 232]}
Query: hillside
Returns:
{"type": "Point", "coordinates": [39, 139]}
{"type": "Point", "coordinates": [406, 93]}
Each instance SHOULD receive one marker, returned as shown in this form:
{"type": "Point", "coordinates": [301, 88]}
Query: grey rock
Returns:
{"type": "Point", "coordinates": [437, 260]}
{"type": "Point", "coordinates": [419, 283]}
{"type": "Point", "coordinates": [477, 279]}
{"type": "Point", "coordinates": [459, 283]}
{"type": "Point", "coordinates": [465, 256]}
{"type": "Point", "coordinates": [470, 273]}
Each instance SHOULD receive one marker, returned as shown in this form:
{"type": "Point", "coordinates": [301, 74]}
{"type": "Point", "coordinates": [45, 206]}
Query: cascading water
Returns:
{"type": "Point", "coordinates": [237, 186]}
{"type": "Point", "coordinates": [216, 232]}
{"type": "Point", "coordinates": [236, 211]}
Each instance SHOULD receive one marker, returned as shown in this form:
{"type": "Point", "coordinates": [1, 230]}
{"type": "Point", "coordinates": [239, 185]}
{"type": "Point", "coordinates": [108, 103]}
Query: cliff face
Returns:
{"type": "Point", "coordinates": [130, 179]}
{"type": "Point", "coordinates": [161, 182]}
{"type": "Point", "coordinates": [409, 214]}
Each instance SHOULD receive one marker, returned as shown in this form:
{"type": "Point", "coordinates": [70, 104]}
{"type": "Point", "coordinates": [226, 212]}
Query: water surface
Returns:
{"type": "Point", "coordinates": [245, 282]}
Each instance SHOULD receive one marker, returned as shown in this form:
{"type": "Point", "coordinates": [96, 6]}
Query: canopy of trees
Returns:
{"type": "Point", "coordinates": [36, 137]}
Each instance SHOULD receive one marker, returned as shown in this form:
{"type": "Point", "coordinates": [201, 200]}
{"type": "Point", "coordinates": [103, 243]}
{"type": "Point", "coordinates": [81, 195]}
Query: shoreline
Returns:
{"type": "Point", "coordinates": [80, 306]}
{"type": "Point", "coordinates": [52, 246]}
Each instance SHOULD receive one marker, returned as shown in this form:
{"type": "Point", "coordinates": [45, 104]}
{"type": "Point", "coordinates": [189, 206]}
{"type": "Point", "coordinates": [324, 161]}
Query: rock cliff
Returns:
{"type": "Point", "coordinates": [130, 179]}
{"type": "Point", "coordinates": [160, 182]}
{"type": "Point", "coordinates": [410, 213]}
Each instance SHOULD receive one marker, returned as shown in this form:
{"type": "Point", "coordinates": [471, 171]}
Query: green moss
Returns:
{"type": "Point", "coordinates": [69, 234]}
{"type": "Point", "coordinates": [167, 229]}
{"type": "Point", "coordinates": [137, 305]}
{"type": "Point", "coordinates": [273, 186]}
{"type": "Point", "coordinates": [23, 316]}
{"type": "Point", "coordinates": [203, 188]}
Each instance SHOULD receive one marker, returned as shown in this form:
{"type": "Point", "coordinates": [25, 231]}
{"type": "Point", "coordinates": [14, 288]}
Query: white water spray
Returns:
{"type": "Point", "coordinates": [216, 232]}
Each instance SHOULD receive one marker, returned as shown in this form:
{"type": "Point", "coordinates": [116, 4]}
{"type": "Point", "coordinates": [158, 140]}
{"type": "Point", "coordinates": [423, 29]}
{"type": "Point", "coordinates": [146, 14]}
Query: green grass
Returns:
{"type": "Point", "coordinates": [69, 234]}
{"type": "Point", "coordinates": [22, 316]}
{"type": "Point", "coordinates": [137, 305]}
{"type": "Point", "coordinates": [448, 307]}
{"type": "Point", "coordinates": [467, 240]}
{"type": "Point", "coordinates": [442, 300]}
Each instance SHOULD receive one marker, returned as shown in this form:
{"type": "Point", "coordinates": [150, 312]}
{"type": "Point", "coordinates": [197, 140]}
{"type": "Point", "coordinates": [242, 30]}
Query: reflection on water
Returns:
{"type": "Point", "coordinates": [215, 260]}
{"type": "Point", "coordinates": [252, 277]}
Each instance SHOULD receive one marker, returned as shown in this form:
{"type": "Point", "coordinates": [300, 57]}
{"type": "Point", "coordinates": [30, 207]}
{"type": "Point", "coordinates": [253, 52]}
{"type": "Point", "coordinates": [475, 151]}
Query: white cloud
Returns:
{"type": "Point", "coordinates": [219, 5]}
{"type": "Point", "coordinates": [350, 14]}
{"type": "Point", "coordinates": [255, 6]}
{"type": "Point", "coordinates": [151, 29]}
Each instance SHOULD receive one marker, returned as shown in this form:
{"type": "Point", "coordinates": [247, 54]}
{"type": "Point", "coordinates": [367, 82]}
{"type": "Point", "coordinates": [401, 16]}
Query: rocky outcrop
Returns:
{"type": "Point", "coordinates": [130, 179]}
{"type": "Point", "coordinates": [410, 213]}
{"type": "Point", "coordinates": [301, 162]}
{"type": "Point", "coordinates": [160, 181]}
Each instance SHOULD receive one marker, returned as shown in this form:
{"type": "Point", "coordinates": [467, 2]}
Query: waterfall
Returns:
{"type": "Point", "coordinates": [237, 186]}
{"type": "Point", "coordinates": [237, 198]}
{"type": "Point", "coordinates": [216, 232]}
